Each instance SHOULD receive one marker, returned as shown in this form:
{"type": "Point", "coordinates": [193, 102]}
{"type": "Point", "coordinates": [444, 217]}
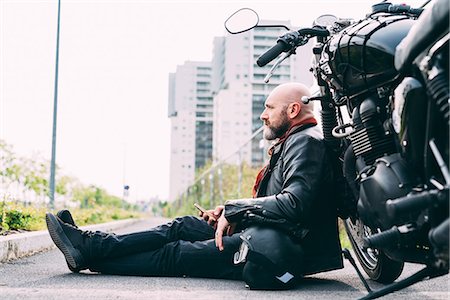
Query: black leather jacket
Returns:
{"type": "Point", "coordinates": [298, 188]}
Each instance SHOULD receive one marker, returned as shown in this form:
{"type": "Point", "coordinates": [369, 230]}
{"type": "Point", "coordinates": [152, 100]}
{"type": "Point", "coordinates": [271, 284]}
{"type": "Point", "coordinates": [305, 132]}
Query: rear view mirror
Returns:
{"type": "Point", "coordinates": [241, 21]}
{"type": "Point", "coordinates": [325, 20]}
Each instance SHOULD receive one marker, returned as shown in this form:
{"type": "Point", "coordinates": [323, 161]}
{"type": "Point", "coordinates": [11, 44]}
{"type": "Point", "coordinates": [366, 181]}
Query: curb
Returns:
{"type": "Point", "coordinates": [20, 245]}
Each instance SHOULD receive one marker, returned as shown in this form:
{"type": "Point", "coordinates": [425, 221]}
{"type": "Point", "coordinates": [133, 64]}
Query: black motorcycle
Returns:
{"type": "Point", "coordinates": [383, 85]}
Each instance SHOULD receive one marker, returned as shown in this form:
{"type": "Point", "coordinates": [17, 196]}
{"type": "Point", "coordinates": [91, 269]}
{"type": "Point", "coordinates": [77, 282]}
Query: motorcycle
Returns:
{"type": "Point", "coordinates": [383, 86]}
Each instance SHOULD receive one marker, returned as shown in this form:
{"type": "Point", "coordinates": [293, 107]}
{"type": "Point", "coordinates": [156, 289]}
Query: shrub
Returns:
{"type": "Point", "coordinates": [15, 216]}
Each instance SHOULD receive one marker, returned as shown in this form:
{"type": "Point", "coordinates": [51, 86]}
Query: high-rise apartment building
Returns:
{"type": "Point", "coordinates": [201, 131]}
{"type": "Point", "coordinates": [240, 91]}
{"type": "Point", "coordinates": [191, 113]}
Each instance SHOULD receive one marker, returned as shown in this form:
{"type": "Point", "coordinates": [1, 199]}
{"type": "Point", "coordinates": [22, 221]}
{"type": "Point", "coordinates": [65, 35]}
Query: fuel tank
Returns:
{"type": "Point", "coordinates": [361, 57]}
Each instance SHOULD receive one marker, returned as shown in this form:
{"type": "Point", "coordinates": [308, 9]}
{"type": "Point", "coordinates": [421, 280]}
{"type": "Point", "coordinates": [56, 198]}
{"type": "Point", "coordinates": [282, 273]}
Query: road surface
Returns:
{"type": "Point", "coordinates": [45, 276]}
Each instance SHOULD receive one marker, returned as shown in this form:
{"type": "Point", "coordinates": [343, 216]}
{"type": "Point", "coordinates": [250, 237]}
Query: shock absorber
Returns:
{"type": "Point", "coordinates": [345, 200]}
{"type": "Point", "coordinates": [329, 119]}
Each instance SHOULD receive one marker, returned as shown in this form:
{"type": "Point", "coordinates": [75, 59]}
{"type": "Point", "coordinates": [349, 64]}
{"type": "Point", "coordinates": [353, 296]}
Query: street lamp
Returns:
{"type": "Point", "coordinates": [55, 111]}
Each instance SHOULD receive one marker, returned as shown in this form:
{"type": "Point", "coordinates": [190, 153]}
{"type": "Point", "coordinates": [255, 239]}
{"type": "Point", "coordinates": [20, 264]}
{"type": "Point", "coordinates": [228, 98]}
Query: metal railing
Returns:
{"type": "Point", "coordinates": [223, 180]}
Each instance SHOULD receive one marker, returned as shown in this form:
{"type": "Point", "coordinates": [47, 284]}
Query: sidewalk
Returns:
{"type": "Point", "coordinates": [19, 245]}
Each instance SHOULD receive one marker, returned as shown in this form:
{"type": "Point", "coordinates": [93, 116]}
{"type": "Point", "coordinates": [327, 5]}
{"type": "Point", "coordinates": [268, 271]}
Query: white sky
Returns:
{"type": "Point", "coordinates": [115, 57]}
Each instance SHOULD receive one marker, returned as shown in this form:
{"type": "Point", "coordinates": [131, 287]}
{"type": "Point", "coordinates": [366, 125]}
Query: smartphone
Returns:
{"type": "Point", "coordinates": [197, 206]}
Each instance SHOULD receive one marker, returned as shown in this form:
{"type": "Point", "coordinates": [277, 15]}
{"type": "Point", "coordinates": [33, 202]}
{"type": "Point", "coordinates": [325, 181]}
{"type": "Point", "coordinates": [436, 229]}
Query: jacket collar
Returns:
{"type": "Point", "coordinates": [296, 127]}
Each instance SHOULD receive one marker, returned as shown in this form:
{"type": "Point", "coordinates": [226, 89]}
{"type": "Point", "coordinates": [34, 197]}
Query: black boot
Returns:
{"type": "Point", "coordinates": [66, 217]}
{"type": "Point", "coordinates": [70, 240]}
{"type": "Point", "coordinates": [81, 247]}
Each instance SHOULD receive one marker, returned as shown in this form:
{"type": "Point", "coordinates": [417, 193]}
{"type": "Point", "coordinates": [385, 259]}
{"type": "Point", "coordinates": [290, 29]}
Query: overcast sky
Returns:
{"type": "Point", "coordinates": [115, 57]}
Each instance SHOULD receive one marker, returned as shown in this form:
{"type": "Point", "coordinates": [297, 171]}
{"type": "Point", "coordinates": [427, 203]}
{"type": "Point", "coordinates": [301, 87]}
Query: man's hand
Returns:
{"type": "Point", "coordinates": [222, 226]}
{"type": "Point", "coordinates": [212, 215]}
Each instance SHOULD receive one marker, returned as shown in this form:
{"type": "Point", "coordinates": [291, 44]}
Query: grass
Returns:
{"type": "Point", "coordinates": [345, 242]}
{"type": "Point", "coordinates": [15, 216]}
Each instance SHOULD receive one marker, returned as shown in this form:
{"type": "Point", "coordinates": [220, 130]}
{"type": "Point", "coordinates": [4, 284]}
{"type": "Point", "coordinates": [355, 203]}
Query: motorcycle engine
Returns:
{"type": "Point", "coordinates": [370, 138]}
{"type": "Point", "coordinates": [388, 178]}
{"type": "Point", "coordinates": [382, 173]}
{"type": "Point", "coordinates": [359, 63]}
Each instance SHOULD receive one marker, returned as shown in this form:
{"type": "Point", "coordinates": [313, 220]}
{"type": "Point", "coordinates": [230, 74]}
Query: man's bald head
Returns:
{"type": "Point", "coordinates": [292, 92]}
{"type": "Point", "coordinates": [284, 108]}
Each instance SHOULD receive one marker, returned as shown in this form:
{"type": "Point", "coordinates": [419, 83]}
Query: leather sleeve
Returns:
{"type": "Point", "coordinates": [302, 163]}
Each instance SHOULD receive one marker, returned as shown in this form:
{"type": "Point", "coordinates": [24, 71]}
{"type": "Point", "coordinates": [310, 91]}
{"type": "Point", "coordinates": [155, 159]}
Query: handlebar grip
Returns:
{"type": "Point", "coordinates": [403, 8]}
{"type": "Point", "coordinates": [315, 31]}
{"type": "Point", "coordinates": [416, 11]}
{"type": "Point", "coordinates": [273, 52]}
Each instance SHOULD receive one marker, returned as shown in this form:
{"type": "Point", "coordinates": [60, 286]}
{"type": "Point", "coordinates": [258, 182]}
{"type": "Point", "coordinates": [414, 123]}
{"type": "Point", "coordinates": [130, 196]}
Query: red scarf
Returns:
{"type": "Point", "coordinates": [281, 140]}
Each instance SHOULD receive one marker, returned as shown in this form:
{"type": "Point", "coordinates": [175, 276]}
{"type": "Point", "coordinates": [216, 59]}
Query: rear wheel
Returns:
{"type": "Point", "coordinates": [375, 263]}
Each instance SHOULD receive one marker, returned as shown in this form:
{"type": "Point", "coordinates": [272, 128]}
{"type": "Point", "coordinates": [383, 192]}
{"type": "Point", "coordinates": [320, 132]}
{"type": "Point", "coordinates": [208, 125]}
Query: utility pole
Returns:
{"type": "Point", "coordinates": [125, 186]}
{"type": "Point", "coordinates": [239, 174]}
{"type": "Point", "coordinates": [55, 112]}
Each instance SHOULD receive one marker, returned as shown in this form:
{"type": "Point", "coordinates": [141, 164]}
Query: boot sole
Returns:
{"type": "Point", "coordinates": [66, 217]}
{"type": "Point", "coordinates": [73, 256]}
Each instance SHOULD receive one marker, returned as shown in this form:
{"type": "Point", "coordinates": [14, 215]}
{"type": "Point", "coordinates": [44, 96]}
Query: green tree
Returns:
{"type": "Point", "coordinates": [225, 181]}
{"type": "Point", "coordinates": [10, 169]}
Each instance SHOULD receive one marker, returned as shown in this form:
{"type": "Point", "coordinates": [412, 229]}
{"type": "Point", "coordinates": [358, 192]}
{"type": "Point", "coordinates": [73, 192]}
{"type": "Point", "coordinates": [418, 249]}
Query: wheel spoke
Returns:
{"type": "Point", "coordinates": [374, 262]}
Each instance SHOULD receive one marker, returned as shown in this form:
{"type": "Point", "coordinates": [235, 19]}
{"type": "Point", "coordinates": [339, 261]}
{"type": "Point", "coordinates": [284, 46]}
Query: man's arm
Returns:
{"type": "Point", "coordinates": [302, 163]}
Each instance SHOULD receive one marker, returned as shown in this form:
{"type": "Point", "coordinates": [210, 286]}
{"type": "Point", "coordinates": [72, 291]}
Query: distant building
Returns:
{"type": "Point", "coordinates": [215, 106]}
{"type": "Point", "coordinates": [191, 111]}
{"type": "Point", "coordinates": [240, 91]}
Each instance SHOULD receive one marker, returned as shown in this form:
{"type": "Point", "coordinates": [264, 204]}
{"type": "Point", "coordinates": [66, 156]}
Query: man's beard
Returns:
{"type": "Point", "coordinates": [271, 132]}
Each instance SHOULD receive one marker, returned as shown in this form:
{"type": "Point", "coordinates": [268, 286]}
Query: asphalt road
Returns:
{"type": "Point", "coordinates": [45, 276]}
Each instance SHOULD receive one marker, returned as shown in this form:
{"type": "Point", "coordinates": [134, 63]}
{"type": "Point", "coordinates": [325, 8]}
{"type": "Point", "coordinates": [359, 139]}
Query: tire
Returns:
{"type": "Point", "coordinates": [375, 263]}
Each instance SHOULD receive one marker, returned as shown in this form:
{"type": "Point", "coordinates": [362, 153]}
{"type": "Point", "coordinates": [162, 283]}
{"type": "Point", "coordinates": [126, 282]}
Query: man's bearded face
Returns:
{"type": "Point", "coordinates": [276, 126]}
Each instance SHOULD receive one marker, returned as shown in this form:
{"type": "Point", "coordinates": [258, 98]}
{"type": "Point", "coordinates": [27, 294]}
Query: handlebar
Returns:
{"type": "Point", "coordinates": [289, 42]}
{"type": "Point", "coordinates": [386, 7]}
{"type": "Point", "coordinates": [403, 8]}
{"type": "Point", "coordinates": [315, 31]}
{"type": "Point", "coordinates": [280, 47]}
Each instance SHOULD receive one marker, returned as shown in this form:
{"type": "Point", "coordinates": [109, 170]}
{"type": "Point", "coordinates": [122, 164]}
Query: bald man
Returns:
{"type": "Point", "coordinates": [286, 231]}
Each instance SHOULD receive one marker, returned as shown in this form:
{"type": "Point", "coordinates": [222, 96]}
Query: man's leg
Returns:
{"type": "Point", "coordinates": [81, 247]}
{"type": "Point", "coordinates": [195, 259]}
{"type": "Point", "coordinates": [186, 228]}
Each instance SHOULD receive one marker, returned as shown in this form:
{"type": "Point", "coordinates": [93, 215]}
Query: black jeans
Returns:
{"type": "Point", "coordinates": [184, 246]}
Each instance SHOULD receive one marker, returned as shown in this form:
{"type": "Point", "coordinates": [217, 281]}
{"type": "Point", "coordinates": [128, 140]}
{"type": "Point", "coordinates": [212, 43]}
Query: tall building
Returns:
{"type": "Point", "coordinates": [191, 113]}
{"type": "Point", "coordinates": [240, 91]}
{"type": "Point", "coordinates": [215, 106]}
